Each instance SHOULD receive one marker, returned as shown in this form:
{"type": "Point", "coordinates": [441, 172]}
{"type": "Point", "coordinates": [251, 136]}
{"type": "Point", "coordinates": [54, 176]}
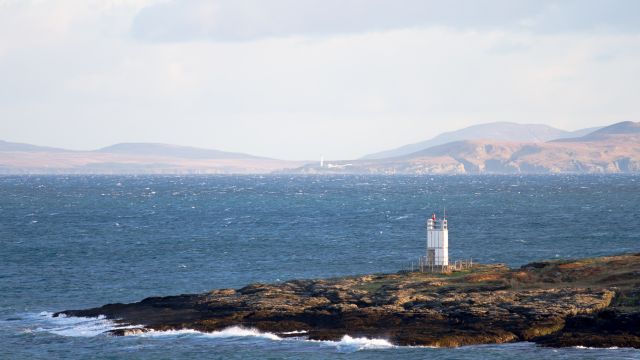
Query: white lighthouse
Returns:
{"type": "Point", "coordinates": [437, 242]}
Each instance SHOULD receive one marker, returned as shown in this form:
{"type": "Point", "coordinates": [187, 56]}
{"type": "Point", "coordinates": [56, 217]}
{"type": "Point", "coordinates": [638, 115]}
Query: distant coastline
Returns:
{"type": "Point", "coordinates": [609, 150]}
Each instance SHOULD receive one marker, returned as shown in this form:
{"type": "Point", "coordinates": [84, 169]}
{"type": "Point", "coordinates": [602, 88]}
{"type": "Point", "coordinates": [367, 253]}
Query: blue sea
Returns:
{"type": "Point", "coordinates": [84, 241]}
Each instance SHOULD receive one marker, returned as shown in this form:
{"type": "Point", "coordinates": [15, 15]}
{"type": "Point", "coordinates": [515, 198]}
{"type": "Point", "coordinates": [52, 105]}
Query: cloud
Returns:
{"type": "Point", "coordinates": [80, 80]}
{"type": "Point", "coordinates": [246, 20]}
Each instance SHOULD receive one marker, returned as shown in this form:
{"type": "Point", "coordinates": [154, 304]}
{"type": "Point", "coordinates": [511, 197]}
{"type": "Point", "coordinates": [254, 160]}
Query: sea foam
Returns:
{"type": "Point", "coordinates": [93, 326]}
{"type": "Point", "coordinates": [348, 343]}
{"type": "Point", "coordinates": [233, 331]}
{"type": "Point", "coordinates": [75, 326]}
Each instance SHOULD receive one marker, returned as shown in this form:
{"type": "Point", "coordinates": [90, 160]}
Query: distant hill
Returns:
{"type": "Point", "coordinates": [13, 146]}
{"type": "Point", "coordinates": [133, 158]}
{"type": "Point", "coordinates": [613, 149]}
{"type": "Point", "coordinates": [621, 128]}
{"type": "Point", "coordinates": [578, 133]}
{"type": "Point", "coordinates": [184, 152]}
{"type": "Point", "coordinates": [501, 131]}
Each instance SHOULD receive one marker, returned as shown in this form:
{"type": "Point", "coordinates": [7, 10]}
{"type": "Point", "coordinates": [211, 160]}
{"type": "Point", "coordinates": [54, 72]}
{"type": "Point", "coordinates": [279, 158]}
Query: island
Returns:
{"type": "Point", "coordinates": [591, 302]}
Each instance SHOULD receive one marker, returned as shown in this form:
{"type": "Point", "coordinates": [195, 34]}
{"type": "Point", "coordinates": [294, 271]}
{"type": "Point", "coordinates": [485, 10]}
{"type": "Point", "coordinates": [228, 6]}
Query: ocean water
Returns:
{"type": "Point", "coordinates": [84, 241]}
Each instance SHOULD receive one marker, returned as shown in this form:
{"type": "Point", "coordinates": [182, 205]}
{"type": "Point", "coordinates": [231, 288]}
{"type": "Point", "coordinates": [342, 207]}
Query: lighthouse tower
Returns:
{"type": "Point", "coordinates": [437, 241]}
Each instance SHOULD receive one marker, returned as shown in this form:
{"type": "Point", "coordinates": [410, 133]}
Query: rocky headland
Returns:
{"type": "Point", "coordinates": [590, 302]}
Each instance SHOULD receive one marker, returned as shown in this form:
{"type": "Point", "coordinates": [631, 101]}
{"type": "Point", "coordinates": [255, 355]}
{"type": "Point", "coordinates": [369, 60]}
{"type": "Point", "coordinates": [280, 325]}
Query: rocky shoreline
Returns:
{"type": "Point", "coordinates": [588, 302]}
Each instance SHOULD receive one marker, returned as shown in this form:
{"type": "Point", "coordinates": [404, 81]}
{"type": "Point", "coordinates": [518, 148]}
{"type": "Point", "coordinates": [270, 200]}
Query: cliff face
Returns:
{"type": "Point", "coordinates": [591, 302]}
{"type": "Point", "coordinates": [615, 153]}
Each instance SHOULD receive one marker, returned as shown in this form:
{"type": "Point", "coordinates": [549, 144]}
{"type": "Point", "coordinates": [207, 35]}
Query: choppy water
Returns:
{"type": "Point", "coordinates": [77, 242]}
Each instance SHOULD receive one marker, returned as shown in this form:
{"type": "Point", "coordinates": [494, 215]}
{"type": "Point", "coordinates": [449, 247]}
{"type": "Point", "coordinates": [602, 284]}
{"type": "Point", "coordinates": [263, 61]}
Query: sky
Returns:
{"type": "Point", "coordinates": [297, 79]}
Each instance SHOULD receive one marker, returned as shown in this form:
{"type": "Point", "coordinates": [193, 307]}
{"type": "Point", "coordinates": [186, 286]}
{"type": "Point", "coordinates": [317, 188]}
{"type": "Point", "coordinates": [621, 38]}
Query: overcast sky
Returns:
{"type": "Point", "coordinates": [294, 79]}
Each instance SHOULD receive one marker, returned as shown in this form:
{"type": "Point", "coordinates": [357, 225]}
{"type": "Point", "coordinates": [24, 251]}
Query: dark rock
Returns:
{"type": "Point", "coordinates": [591, 302]}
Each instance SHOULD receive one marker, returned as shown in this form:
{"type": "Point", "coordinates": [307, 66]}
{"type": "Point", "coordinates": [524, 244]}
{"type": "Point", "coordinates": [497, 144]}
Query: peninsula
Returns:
{"type": "Point", "coordinates": [589, 302]}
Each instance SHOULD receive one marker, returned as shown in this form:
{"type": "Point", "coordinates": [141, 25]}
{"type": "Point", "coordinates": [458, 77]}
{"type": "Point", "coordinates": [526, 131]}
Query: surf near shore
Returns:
{"type": "Point", "coordinates": [589, 302]}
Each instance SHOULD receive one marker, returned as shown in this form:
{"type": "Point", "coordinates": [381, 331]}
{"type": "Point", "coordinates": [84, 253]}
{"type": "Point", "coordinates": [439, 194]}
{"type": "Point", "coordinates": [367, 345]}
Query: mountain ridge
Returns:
{"type": "Point", "coordinates": [133, 158]}
{"type": "Point", "coordinates": [621, 128]}
{"type": "Point", "coordinates": [612, 149]}
{"type": "Point", "coordinates": [18, 146]}
{"type": "Point", "coordinates": [161, 149]}
{"type": "Point", "coordinates": [494, 131]}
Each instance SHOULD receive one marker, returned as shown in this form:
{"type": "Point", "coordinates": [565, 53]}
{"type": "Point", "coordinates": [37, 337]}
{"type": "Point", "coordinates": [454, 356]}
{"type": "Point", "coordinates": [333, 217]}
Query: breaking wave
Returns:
{"type": "Point", "coordinates": [595, 348]}
{"type": "Point", "coordinates": [233, 331]}
{"type": "Point", "coordinates": [348, 343]}
{"type": "Point", "coordinates": [73, 326]}
{"type": "Point", "coordinates": [94, 326]}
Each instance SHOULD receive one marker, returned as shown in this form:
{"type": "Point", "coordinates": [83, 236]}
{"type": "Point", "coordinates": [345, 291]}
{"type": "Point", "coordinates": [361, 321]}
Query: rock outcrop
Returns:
{"type": "Point", "coordinates": [590, 302]}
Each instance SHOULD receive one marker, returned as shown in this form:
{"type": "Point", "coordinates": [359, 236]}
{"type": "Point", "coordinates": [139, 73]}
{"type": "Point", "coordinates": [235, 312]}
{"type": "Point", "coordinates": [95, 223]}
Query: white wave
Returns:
{"type": "Point", "coordinates": [74, 326]}
{"type": "Point", "coordinates": [233, 331]}
{"type": "Point", "coordinates": [401, 217]}
{"type": "Point", "coordinates": [595, 348]}
{"type": "Point", "coordinates": [348, 343]}
{"type": "Point", "coordinates": [93, 326]}
{"type": "Point", "coordinates": [162, 333]}
{"type": "Point", "coordinates": [295, 332]}
{"type": "Point", "coordinates": [238, 331]}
